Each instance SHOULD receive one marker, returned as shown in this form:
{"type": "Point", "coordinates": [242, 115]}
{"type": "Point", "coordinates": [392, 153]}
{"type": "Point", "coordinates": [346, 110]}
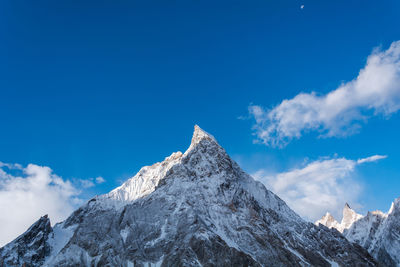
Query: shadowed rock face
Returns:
{"type": "Point", "coordinates": [195, 209]}
{"type": "Point", "coordinates": [30, 248]}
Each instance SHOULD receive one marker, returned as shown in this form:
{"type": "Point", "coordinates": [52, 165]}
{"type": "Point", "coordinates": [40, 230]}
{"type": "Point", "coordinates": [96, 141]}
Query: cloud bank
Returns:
{"type": "Point", "coordinates": [321, 186]}
{"type": "Point", "coordinates": [26, 193]}
{"type": "Point", "coordinates": [375, 91]}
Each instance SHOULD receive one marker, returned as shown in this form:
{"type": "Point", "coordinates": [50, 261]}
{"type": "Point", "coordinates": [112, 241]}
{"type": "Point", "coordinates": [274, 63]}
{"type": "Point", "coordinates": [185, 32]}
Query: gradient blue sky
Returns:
{"type": "Point", "coordinates": [101, 88]}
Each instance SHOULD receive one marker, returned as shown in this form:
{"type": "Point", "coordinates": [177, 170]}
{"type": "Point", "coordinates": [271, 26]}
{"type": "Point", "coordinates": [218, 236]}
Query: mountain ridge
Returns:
{"type": "Point", "coordinates": [378, 232]}
{"type": "Point", "coordinates": [198, 208]}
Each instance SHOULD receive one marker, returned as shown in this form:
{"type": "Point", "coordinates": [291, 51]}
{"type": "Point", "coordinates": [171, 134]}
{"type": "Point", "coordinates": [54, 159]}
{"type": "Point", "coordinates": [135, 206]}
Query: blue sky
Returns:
{"type": "Point", "coordinates": [102, 88]}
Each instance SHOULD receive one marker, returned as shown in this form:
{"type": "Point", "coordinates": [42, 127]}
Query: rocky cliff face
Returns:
{"type": "Point", "coordinates": [31, 248]}
{"type": "Point", "coordinates": [378, 232]}
{"type": "Point", "coordinates": [193, 209]}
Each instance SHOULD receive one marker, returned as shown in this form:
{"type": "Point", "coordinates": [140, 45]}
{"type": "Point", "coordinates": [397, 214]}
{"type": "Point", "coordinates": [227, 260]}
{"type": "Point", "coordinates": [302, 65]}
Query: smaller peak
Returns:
{"type": "Point", "coordinates": [328, 220]}
{"type": "Point", "coordinates": [348, 211]}
{"type": "Point", "coordinates": [199, 134]}
{"type": "Point", "coordinates": [391, 208]}
{"type": "Point", "coordinates": [395, 205]}
{"type": "Point", "coordinates": [43, 219]}
{"type": "Point", "coordinates": [349, 216]}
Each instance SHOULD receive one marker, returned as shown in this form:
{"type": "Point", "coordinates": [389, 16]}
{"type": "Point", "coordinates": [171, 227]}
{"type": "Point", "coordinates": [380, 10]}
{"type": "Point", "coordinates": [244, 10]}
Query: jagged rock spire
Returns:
{"type": "Point", "coordinates": [349, 216]}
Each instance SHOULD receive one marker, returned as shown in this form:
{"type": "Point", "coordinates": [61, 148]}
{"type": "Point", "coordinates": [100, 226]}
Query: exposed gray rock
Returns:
{"type": "Point", "coordinates": [195, 209]}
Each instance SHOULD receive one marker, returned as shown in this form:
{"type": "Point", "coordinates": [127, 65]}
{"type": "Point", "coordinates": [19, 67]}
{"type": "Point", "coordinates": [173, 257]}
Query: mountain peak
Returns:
{"type": "Point", "coordinates": [328, 220]}
{"type": "Point", "coordinates": [148, 178]}
{"type": "Point", "coordinates": [193, 209]}
{"type": "Point", "coordinates": [349, 216]}
{"type": "Point", "coordinates": [199, 134]}
{"type": "Point", "coordinates": [395, 206]}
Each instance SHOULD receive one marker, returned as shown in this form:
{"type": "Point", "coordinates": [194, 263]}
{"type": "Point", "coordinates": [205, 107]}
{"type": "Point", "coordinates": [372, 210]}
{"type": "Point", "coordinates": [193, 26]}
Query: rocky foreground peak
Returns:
{"type": "Point", "coordinates": [198, 208]}
{"type": "Point", "coordinates": [30, 247]}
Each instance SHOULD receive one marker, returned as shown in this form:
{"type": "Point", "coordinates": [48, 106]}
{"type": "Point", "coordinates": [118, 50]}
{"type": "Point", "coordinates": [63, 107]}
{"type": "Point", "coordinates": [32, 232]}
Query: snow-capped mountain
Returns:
{"type": "Point", "coordinates": [349, 217]}
{"type": "Point", "coordinates": [193, 209]}
{"type": "Point", "coordinates": [378, 232]}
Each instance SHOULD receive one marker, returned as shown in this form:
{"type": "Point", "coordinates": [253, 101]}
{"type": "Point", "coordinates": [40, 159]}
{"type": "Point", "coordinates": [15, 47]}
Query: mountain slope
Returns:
{"type": "Point", "coordinates": [193, 209]}
{"type": "Point", "coordinates": [378, 232]}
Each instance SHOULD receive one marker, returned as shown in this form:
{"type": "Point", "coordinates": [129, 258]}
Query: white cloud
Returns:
{"type": "Point", "coordinates": [371, 159]}
{"type": "Point", "coordinates": [30, 192]}
{"type": "Point", "coordinates": [321, 186]}
{"type": "Point", "coordinates": [376, 90]}
{"type": "Point", "coordinates": [11, 166]}
{"type": "Point", "coordinates": [86, 183]}
{"type": "Point", "coordinates": [91, 182]}
{"type": "Point", "coordinates": [100, 180]}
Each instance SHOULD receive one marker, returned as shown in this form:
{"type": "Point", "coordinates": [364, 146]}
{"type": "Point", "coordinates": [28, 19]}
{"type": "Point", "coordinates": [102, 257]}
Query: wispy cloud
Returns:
{"type": "Point", "coordinates": [86, 183]}
{"type": "Point", "coordinates": [371, 159]}
{"type": "Point", "coordinates": [91, 182]}
{"type": "Point", "coordinates": [320, 186]}
{"type": "Point", "coordinates": [11, 166]}
{"type": "Point", "coordinates": [26, 193]}
{"type": "Point", "coordinates": [376, 90]}
{"type": "Point", "coordinates": [100, 180]}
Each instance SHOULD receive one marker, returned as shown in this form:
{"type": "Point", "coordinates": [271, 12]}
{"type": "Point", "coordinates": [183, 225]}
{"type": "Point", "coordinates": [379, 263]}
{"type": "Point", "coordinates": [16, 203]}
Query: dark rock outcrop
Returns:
{"type": "Point", "coordinates": [31, 248]}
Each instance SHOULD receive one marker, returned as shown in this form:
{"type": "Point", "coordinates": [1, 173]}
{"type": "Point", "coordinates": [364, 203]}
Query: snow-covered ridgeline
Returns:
{"type": "Point", "coordinates": [378, 232]}
{"type": "Point", "coordinates": [147, 179]}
